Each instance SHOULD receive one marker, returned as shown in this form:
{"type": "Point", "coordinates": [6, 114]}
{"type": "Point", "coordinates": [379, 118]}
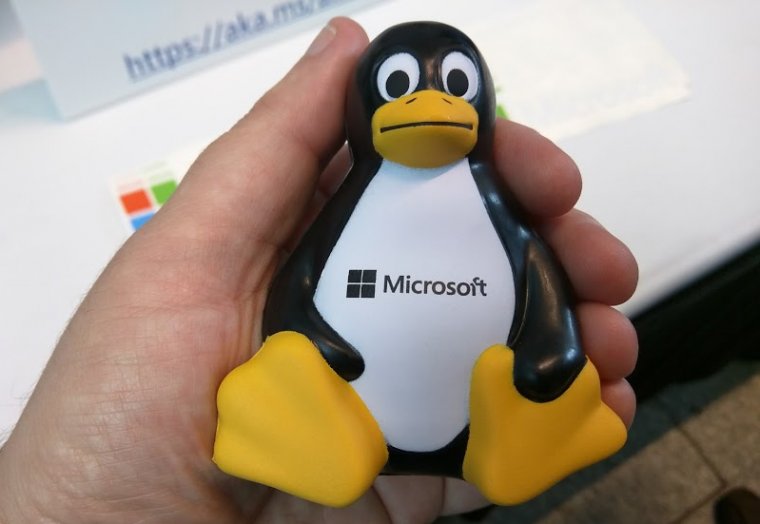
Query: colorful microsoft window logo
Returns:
{"type": "Point", "coordinates": [142, 196]}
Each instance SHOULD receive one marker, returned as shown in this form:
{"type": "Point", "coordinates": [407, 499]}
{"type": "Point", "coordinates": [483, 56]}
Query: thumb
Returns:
{"type": "Point", "coordinates": [247, 192]}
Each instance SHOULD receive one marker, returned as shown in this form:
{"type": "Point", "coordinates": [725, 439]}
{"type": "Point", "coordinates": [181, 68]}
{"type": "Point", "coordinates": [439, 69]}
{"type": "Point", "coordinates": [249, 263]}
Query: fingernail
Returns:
{"type": "Point", "coordinates": [322, 40]}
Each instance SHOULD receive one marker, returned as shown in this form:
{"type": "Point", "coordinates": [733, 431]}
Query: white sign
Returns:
{"type": "Point", "coordinates": [95, 51]}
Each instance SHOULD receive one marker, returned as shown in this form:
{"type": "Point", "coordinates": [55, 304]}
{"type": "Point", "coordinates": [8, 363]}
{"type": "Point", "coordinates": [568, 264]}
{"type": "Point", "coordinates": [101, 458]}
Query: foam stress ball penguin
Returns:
{"type": "Point", "coordinates": [421, 326]}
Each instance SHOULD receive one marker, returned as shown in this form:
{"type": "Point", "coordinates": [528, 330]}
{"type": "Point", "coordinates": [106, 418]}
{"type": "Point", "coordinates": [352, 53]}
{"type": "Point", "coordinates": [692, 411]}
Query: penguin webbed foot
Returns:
{"type": "Point", "coordinates": [520, 447]}
{"type": "Point", "coordinates": [288, 421]}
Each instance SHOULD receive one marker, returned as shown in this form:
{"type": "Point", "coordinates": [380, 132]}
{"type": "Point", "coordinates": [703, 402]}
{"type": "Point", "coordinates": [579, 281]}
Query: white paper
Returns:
{"type": "Point", "coordinates": [567, 66]}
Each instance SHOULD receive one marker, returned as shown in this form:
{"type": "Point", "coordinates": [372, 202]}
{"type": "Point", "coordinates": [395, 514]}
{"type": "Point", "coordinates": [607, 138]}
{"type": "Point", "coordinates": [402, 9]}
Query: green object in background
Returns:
{"type": "Point", "coordinates": [162, 192]}
{"type": "Point", "coordinates": [501, 111]}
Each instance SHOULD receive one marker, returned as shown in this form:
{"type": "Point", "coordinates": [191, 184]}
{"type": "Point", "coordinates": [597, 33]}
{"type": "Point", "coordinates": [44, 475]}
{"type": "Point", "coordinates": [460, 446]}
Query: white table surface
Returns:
{"type": "Point", "coordinates": [680, 185]}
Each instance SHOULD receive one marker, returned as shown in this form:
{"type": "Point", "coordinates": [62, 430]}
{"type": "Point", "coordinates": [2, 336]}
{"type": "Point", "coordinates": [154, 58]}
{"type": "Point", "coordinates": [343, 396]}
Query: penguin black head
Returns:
{"type": "Point", "coordinates": [422, 96]}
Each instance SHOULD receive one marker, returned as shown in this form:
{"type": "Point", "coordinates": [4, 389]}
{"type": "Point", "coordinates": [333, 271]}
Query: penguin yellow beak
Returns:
{"type": "Point", "coordinates": [425, 129]}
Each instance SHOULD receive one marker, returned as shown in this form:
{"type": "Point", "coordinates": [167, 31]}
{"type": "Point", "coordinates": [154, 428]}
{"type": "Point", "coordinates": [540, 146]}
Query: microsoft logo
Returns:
{"type": "Point", "coordinates": [361, 283]}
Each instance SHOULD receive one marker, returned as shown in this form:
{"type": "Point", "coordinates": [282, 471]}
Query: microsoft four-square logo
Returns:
{"type": "Point", "coordinates": [361, 283]}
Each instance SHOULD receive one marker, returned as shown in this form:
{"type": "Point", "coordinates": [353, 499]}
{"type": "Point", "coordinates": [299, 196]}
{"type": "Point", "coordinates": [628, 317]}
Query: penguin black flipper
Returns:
{"type": "Point", "coordinates": [290, 303]}
{"type": "Point", "coordinates": [545, 336]}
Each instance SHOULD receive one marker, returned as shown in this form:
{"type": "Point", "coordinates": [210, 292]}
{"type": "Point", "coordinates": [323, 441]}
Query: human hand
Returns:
{"type": "Point", "coordinates": [121, 425]}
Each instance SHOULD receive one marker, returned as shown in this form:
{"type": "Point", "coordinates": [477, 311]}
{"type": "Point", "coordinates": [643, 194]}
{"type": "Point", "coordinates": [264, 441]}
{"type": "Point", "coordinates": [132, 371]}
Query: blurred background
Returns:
{"type": "Point", "coordinates": [103, 106]}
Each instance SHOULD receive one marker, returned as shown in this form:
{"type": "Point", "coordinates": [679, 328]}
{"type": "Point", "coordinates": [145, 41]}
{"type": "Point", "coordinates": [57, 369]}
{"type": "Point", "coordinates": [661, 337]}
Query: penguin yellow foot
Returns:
{"type": "Point", "coordinates": [287, 420]}
{"type": "Point", "coordinates": [519, 448]}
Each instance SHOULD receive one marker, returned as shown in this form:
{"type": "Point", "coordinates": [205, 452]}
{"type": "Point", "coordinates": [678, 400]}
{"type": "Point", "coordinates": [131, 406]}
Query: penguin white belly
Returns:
{"type": "Point", "coordinates": [443, 292]}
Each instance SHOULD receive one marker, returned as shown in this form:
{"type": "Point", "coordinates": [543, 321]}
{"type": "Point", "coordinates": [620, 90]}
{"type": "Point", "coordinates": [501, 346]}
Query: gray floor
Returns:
{"type": "Point", "coordinates": [688, 445]}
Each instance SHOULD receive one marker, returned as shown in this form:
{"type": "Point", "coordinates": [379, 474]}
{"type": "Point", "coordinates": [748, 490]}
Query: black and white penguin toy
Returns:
{"type": "Point", "coordinates": [421, 326]}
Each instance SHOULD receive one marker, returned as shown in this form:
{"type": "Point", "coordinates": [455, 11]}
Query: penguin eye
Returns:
{"type": "Point", "coordinates": [398, 75]}
{"type": "Point", "coordinates": [460, 75]}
